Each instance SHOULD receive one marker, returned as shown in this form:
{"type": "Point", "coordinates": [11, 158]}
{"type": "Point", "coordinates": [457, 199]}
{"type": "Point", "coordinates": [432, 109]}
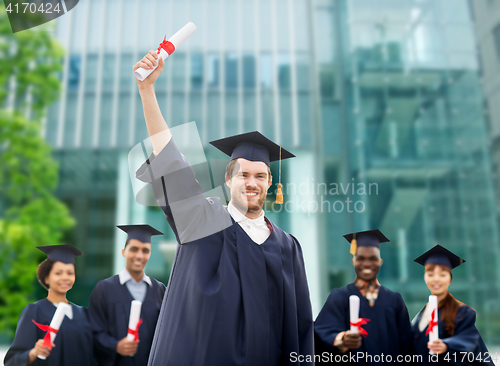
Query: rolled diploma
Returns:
{"type": "Point", "coordinates": [135, 314]}
{"type": "Point", "coordinates": [62, 310]}
{"type": "Point", "coordinates": [354, 312]}
{"type": "Point", "coordinates": [433, 304]}
{"type": "Point", "coordinates": [177, 39]}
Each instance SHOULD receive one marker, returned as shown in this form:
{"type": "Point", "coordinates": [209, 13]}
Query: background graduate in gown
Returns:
{"type": "Point", "coordinates": [238, 292]}
{"type": "Point", "coordinates": [73, 343]}
{"type": "Point", "coordinates": [388, 330]}
{"type": "Point", "coordinates": [459, 340]}
{"type": "Point", "coordinates": [110, 302]}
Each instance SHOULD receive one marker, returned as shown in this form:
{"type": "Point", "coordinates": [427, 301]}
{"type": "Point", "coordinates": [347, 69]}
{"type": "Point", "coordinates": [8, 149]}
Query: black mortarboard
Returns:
{"type": "Point", "coordinates": [370, 238]}
{"type": "Point", "coordinates": [252, 146]}
{"type": "Point", "coordinates": [61, 253]}
{"type": "Point", "coordinates": [440, 255]}
{"type": "Point", "coordinates": [142, 232]}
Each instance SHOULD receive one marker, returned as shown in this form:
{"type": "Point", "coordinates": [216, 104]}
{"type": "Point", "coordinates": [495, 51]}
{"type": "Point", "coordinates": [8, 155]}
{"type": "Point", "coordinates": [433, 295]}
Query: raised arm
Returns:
{"type": "Point", "coordinates": [175, 187]}
{"type": "Point", "coordinates": [157, 127]}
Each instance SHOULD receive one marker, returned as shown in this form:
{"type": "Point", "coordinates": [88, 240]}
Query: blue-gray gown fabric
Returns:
{"type": "Point", "coordinates": [229, 300]}
{"type": "Point", "coordinates": [466, 339]}
{"type": "Point", "coordinates": [389, 330]}
{"type": "Point", "coordinates": [73, 341]}
{"type": "Point", "coordinates": [109, 312]}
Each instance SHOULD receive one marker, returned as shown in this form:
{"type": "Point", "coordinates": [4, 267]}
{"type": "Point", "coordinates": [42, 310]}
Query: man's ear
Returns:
{"type": "Point", "coordinates": [228, 181]}
{"type": "Point", "coordinates": [123, 253]}
{"type": "Point", "coordinates": [381, 262]}
{"type": "Point", "coordinates": [270, 181]}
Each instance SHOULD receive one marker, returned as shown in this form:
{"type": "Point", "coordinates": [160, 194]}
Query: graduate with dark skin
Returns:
{"type": "Point", "coordinates": [384, 325]}
{"type": "Point", "coordinates": [366, 262]}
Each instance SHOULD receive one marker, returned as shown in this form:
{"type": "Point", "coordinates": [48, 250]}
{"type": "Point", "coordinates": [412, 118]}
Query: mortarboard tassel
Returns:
{"type": "Point", "coordinates": [279, 194]}
{"type": "Point", "coordinates": [354, 245]}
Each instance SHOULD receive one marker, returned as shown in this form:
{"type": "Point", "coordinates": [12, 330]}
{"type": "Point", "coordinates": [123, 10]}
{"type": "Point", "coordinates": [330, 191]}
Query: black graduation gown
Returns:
{"type": "Point", "coordinates": [109, 312]}
{"type": "Point", "coordinates": [229, 300]}
{"type": "Point", "coordinates": [466, 339]}
{"type": "Point", "coordinates": [389, 331]}
{"type": "Point", "coordinates": [73, 341]}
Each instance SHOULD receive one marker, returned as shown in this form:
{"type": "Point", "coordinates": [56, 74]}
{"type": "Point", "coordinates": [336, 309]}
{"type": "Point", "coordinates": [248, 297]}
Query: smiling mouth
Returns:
{"type": "Point", "coordinates": [250, 194]}
{"type": "Point", "coordinates": [367, 271]}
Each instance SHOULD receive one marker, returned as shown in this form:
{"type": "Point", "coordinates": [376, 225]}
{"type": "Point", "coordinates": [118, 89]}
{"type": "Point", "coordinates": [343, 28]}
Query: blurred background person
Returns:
{"type": "Point", "coordinates": [387, 331]}
{"type": "Point", "coordinates": [459, 340]}
{"type": "Point", "coordinates": [73, 344]}
{"type": "Point", "coordinates": [110, 304]}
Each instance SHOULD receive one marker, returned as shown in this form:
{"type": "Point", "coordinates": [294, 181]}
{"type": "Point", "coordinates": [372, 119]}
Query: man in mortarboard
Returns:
{"type": "Point", "coordinates": [110, 302]}
{"type": "Point", "coordinates": [238, 291]}
{"type": "Point", "coordinates": [386, 329]}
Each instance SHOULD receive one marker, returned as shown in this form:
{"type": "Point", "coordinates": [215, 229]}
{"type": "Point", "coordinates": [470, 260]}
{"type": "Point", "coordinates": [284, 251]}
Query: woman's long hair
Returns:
{"type": "Point", "coordinates": [449, 305]}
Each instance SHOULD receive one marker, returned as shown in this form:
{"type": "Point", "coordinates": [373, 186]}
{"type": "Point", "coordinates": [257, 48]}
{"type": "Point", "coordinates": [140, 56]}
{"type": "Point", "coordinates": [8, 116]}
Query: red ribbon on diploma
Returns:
{"type": "Point", "coordinates": [167, 46]}
{"type": "Point", "coordinates": [432, 323]}
{"type": "Point", "coordinates": [135, 332]}
{"type": "Point", "coordinates": [359, 323]}
{"type": "Point", "coordinates": [47, 341]}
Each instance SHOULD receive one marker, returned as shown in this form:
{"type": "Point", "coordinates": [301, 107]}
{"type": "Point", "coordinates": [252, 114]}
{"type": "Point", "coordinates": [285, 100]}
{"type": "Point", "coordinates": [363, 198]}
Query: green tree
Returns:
{"type": "Point", "coordinates": [30, 214]}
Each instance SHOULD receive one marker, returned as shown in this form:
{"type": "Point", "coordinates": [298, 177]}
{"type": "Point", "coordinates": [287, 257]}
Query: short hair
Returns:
{"type": "Point", "coordinates": [126, 243]}
{"type": "Point", "coordinates": [231, 166]}
{"type": "Point", "coordinates": [43, 271]}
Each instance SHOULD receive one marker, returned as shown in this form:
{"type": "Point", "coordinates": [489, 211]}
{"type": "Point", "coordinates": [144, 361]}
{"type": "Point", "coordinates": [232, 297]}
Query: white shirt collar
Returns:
{"type": "Point", "coordinates": [239, 217]}
{"type": "Point", "coordinates": [125, 276]}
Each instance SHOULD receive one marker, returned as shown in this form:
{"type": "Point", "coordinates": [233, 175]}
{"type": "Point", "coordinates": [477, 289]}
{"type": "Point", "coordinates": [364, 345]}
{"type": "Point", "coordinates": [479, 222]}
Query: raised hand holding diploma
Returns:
{"type": "Point", "coordinates": [52, 329]}
{"type": "Point", "coordinates": [167, 48]}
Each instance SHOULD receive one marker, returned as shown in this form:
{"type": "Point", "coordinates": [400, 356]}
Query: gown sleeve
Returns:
{"type": "Point", "coordinates": [24, 340]}
{"type": "Point", "coordinates": [304, 309]}
{"type": "Point", "coordinates": [466, 339]}
{"type": "Point", "coordinates": [404, 328]}
{"type": "Point", "coordinates": [181, 197]}
{"type": "Point", "coordinates": [331, 320]}
{"type": "Point", "coordinates": [104, 342]}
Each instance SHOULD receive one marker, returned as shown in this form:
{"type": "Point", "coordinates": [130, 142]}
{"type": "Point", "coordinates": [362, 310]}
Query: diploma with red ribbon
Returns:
{"type": "Point", "coordinates": [135, 332]}
{"type": "Point", "coordinates": [134, 321]}
{"type": "Point", "coordinates": [358, 324]}
{"type": "Point", "coordinates": [52, 329]}
{"type": "Point", "coordinates": [432, 329]}
{"type": "Point", "coordinates": [432, 323]}
{"type": "Point", "coordinates": [167, 47]}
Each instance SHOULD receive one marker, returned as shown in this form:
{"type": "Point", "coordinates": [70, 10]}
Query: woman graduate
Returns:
{"type": "Point", "coordinates": [73, 342]}
{"type": "Point", "coordinates": [459, 340]}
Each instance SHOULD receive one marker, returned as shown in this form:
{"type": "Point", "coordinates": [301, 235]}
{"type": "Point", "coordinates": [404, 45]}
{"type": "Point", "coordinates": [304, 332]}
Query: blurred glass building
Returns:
{"type": "Point", "coordinates": [380, 100]}
{"type": "Point", "coordinates": [486, 15]}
